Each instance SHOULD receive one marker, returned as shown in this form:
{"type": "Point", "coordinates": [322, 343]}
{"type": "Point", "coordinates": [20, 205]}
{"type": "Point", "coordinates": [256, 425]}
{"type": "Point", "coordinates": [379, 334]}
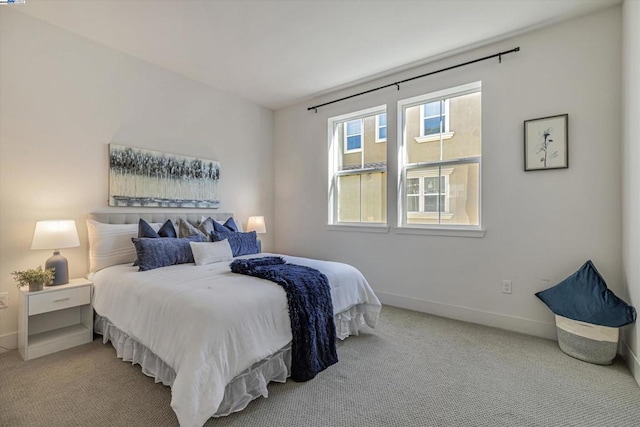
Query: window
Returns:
{"type": "Point", "coordinates": [358, 168]}
{"type": "Point", "coordinates": [434, 118]}
{"type": "Point", "coordinates": [381, 127]}
{"type": "Point", "coordinates": [440, 179]}
{"type": "Point", "coordinates": [353, 136]}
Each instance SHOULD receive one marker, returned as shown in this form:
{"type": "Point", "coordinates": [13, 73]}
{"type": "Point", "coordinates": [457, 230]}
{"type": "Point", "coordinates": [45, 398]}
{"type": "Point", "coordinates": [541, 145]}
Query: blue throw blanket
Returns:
{"type": "Point", "coordinates": [313, 348]}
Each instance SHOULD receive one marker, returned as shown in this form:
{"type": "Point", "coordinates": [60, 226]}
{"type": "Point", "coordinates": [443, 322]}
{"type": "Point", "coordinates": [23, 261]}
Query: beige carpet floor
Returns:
{"type": "Point", "coordinates": [413, 370]}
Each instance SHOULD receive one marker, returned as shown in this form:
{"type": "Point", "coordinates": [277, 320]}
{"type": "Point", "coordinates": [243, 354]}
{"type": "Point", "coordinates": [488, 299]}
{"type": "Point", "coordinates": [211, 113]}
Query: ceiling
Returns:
{"type": "Point", "coordinates": [276, 53]}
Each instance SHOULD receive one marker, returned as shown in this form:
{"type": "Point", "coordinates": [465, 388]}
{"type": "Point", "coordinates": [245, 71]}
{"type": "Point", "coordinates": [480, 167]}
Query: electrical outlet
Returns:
{"type": "Point", "coordinates": [4, 300]}
{"type": "Point", "coordinates": [506, 286]}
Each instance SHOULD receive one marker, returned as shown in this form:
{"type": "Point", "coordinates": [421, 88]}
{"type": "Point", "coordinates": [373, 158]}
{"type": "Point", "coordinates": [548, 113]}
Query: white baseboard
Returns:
{"type": "Point", "coordinates": [466, 314]}
{"type": "Point", "coordinates": [9, 341]}
{"type": "Point", "coordinates": [632, 360]}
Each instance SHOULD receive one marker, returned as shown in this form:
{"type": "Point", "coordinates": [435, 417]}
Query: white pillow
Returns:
{"type": "Point", "coordinates": [110, 244]}
{"type": "Point", "coordinates": [210, 252]}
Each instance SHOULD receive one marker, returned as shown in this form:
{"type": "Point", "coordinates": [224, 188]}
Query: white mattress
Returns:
{"type": "Point", "coordinates": [209, 324]}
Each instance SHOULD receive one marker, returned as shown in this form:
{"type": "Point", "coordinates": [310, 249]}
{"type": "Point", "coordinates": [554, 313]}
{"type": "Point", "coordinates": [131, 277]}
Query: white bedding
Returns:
{"type": "Point", "coordinates": [209, 324]}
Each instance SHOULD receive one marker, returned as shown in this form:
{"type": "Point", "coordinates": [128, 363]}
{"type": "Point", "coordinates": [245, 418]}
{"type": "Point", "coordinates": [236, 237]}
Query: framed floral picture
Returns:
{"type": "Point", "coordinates": [546, 143]}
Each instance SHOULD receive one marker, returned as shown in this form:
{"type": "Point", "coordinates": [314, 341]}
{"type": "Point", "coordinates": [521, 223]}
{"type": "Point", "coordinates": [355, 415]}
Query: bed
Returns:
{"type": "Point", "coordinates": [215, 337]}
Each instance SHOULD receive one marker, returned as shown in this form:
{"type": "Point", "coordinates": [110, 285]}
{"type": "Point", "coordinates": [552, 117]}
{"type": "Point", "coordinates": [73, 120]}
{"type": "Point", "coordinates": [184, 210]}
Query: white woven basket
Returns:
{"type": "Point", "coordinates": [585, 341]}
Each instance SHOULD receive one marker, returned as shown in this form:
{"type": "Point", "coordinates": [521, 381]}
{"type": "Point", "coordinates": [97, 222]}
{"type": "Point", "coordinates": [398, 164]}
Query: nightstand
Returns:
{"type": "Point", "coordinates": [54, 319]}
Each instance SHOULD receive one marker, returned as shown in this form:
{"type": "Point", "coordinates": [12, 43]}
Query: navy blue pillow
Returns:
{"type": "Point", "coordinates": [241, 243]}
{"type": "Point", "coordinates": [167, 230]}
{"type": "Point", "coordinates": [584, 296]}
{"type": "Point", "coordinates": [231, 224]}
{"type": "Point", "coordinates": [145, 230]}
{"type": "Point", "coordinates": [219, 228]}
{"type": "Point", "coordinates": [155, 253]}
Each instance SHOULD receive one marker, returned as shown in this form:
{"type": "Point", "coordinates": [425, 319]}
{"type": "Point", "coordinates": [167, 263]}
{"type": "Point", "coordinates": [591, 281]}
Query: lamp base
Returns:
{"type": "Point", "coordinates": [61, 273]}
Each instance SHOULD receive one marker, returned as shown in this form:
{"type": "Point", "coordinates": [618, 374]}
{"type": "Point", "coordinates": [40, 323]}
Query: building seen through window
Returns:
{"type": "Point", "coordinates": [440, 151]}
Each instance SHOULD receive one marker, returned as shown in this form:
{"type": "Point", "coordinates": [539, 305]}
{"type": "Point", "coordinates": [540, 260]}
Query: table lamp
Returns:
{"type": "Point", "coordinates": [56, 235]}
{"type": "Point", "coordinates": [256, 223]}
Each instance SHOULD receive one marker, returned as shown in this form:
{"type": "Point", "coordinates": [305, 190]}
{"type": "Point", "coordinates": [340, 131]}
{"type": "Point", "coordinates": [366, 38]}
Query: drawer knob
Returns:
{"type": "Point", "coordinates": [61, 299]}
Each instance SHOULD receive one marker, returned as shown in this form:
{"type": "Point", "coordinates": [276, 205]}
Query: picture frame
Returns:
{"type": "Point", "coordinates": [154, 179]}
{"type": "Point", "coordinates": [546, 143]}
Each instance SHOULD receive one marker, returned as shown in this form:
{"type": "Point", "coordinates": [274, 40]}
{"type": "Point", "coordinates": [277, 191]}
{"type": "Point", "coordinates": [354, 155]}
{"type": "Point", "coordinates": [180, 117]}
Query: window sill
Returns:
{"type": "Point", "coordinates": [436, 137]}
{"type": "Point", "coordinates": [382, 228]}
{"type": "Point", "coordinates": [452, 232]}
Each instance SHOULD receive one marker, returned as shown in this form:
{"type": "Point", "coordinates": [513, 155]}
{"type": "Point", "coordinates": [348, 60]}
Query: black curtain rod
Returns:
{"type": "Point", "coordinates": [398, 83]}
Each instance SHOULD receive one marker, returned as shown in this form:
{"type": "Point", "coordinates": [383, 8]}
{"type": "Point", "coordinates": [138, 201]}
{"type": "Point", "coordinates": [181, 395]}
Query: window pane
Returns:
{"type": "Point", "coordinates": [349, 198]}
{"type": "Point", "coordinates": [432, 109]}
{"type": "Point", "coordinates": [362, 198]}
{"type": "Point", "coordinates": [359, 197]}
{"type": "Point", "coordinates": [413, 186]}
{"type": "Point", "coordinates": [413, 203]}
{"type": "Point", "coordinates": [354, 127]}
{"type": "Point", "coordinates": [432, 126]}
{"type": "Point", "coordinates": [354, 142]}
{"type": "Point", "coordinates": [431, 185]}
{"type": "Point", "coordinates": [454, 194]}
{"type": "Point", "coordinates": [462, 123]}
{"type": "Point", "coordinates": [382, 133]}
{"type": "Point", "coordinates": [382, 119]}
{"type": "Point", "coordinates": [431, 203]}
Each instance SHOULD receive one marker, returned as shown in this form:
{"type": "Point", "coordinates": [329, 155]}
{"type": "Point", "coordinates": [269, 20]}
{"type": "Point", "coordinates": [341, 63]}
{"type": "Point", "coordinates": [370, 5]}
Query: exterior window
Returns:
{"type": "Point", "coordinates": [353, 136]}
{"type": "Point", "coordinates": [381, 127]}
{"type": "Point", "coordinates": [440, 159]}
{"type": "Point", "coordinates": [434, 118]}
{"type": "Point", "coordinates": [358, 168]}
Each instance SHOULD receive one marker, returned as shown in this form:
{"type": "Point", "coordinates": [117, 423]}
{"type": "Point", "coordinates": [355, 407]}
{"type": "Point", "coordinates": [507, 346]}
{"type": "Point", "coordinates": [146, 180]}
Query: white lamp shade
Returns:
{"type": "Point", "coordinates": [256, 223]}
{"type": "Point", "coordinates": [55, 235]}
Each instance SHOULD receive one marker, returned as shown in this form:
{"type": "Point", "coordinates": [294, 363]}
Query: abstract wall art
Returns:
{"type": "Point", "coordinates": [145, 178]}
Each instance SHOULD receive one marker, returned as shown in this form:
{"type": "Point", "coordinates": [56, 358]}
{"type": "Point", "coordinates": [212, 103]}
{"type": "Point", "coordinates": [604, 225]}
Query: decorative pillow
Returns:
{"type": "Point", "coordinates": [210, 252]}
{"type": "Point", "coordinates": [241, 243]}
{"type": "Point", "coordinates": [110, 244]}
{"type": "Point", "coordinates": [155, 253]}
{"type": "Point", "coordinates": [584, 297]}
{"type": "Point", "coordinates": [231, 224]}
{"type": "Point", "coordinates": [207, 226]}
{"type": "Point", "coordinates": [186, 229]}
{"type": "Point", "coordinates": [167, 230]}
{"type": "Point", "coordinates": [146, 230]}
{"type": "Point", "coordinates": [219, 228]}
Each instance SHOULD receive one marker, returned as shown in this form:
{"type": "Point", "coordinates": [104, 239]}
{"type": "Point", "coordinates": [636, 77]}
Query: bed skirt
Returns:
{"type": "Point", "coordinates": [249, 385]}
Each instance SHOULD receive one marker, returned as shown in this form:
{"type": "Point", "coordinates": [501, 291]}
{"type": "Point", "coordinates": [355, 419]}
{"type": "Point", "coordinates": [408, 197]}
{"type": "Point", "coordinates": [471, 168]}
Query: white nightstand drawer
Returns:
{"type": "Point", "coordinates": [59, 300]}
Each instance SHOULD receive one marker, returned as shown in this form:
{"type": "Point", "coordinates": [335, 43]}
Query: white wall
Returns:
{"type": "Point", "coordinates": [539, 225]}
{"type": "Point", "coordinates": [65, 98]}
{"type": "Point", "coordinates": [631, 176]}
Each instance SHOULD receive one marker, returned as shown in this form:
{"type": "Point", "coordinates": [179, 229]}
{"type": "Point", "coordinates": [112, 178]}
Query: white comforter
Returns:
{"type": "Point", "coordinates": [209, 324]}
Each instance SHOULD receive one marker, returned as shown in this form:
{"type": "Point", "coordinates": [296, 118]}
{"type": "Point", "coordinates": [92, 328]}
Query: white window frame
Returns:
{"type": "Point", "coordinates": [335, 172]}
{"type": "Point", "coordinates": [378, 127]}
{"type": "Point", "coordinates": [361, 134]}
{"type": "Point", "coordinates": [403, 166]}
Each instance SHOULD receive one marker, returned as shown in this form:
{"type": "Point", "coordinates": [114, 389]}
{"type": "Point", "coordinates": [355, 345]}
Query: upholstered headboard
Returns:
{"type": "Point", "coordinates": [133, 217]}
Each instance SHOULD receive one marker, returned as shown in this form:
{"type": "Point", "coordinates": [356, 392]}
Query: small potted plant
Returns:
{"type": "Point", "coordinates": [36, 278]}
